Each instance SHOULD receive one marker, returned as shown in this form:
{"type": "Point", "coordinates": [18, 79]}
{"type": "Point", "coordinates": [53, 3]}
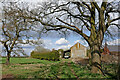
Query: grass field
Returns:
{"type": "Point", "coordinates": [35, 68]}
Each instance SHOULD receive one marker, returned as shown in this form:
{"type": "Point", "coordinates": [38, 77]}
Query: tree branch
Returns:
{"type": "Point", "coordinates": [79, 31]}
{"type": "Point", "coordinates": [75, 16]}
{"type": "Point", "coordinates": [55, 10]}
{"type": "Point", "coordinates": [69, 24]}
{"type": "Point", "coordinates": [114, 19]}
{"type": "Point", "coordinates": [110, 22]}
{"type": "Point", "coordinates": [118, 25]}
{"type": "Point", "coordinates": [82, 13]}
{"type": "Point", "coordinates": [104, 5]}
{"type": "Point", "coordinates": [87, 5]}
{"type": "Point", "coordinates": [56, 29]}
{"type": "Point", "coordinates": [46, 24]}
{"type": "Point", "coordinates": [5, 32]}
{"type": "Point", "coordinates": [96, 5]}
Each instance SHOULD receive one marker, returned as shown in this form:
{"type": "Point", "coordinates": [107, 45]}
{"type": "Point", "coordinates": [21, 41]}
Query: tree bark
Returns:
{"type": "Point", "coordinates": [8, 58]}
{"type": "Point", "coordinates": [96, 59]}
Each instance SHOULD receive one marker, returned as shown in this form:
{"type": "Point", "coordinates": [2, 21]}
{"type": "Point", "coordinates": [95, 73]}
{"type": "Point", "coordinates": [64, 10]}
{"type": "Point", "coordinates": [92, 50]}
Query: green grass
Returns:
{"type": "Point", "coordinates": [35, 68]}
{"type": "Point", "coordinates": [26, 61]}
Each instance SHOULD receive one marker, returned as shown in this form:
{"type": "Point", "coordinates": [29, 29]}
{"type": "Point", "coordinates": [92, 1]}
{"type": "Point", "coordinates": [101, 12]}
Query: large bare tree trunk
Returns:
{"type": "Point", "coordinates": [118, 72]}
{"type": "Point", "coordinates": [96, 59]}
{"type": "Point", "coordinates": [8, 58]}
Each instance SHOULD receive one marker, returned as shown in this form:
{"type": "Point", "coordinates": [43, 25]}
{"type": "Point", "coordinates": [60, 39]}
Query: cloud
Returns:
{"type": "Point", "coordinates": [62, 41]}
{"type": "Point", "coordinates": [65, 47]}
{"type": "Point", "coordinates": [41, 42]}
{"type": "Point", "coordinates": [47, 43]}
{"type": "Point", "coordinates": [28, 50]}
{"type": "Point", "coordinates": [83, 42]}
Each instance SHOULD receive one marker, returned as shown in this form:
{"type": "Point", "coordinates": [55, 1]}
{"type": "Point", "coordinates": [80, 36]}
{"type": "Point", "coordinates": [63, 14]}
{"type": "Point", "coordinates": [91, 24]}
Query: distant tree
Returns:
{"type": "Point", "coordinates": [14, 56]}
{"type": "Point", "coordinates": [61, 52]}
{"type": "Point", "coordinates": [15, 31]}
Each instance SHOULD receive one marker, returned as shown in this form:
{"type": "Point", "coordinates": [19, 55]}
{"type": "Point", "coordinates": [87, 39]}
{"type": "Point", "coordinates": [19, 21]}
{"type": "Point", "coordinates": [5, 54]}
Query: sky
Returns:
{"type": "Point", "coordinates": [63, 0]}
{"type": "Point", "coordinates": [61, 42]}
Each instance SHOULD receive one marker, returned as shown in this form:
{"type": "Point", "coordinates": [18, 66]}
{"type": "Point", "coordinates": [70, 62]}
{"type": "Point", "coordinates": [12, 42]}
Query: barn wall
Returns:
{"type": "Point", "coordinates": [78, 50]}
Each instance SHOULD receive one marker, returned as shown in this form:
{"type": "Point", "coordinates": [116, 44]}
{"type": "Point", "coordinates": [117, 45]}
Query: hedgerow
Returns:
{"type": "Point", "coordinates": [53, 55]}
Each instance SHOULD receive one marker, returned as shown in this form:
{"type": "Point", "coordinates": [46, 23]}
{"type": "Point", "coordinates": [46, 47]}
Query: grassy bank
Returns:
{"type": "Point", "coordinates": [35, 68]}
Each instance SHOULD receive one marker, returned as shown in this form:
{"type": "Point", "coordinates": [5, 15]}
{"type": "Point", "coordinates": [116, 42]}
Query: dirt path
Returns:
{"type": "Point", "coordinates": [72, 70]}
{"type": "Point", "coordinates": [7, 76]}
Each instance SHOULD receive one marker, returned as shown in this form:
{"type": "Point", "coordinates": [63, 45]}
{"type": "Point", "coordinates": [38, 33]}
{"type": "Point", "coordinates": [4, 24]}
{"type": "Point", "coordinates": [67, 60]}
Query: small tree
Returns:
{"type": "Point", "coordinates": [15, 31]}
{"type": "Point", "coordinates": [61, 52]}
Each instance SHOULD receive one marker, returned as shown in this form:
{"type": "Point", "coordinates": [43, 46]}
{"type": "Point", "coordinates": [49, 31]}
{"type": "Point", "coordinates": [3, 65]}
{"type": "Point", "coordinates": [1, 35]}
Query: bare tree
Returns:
{"type": "Point", "coordinates": [91, 20]}
{"type": "Point", "coordinates": [15, 31]}
{"type": "Point", "coordinates": [80, 17]}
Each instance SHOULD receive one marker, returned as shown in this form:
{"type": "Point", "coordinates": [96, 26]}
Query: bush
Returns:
{"type": "Point", "coordinates": [14, 56]}
{"type": "Point", "coordinates": [53, 55]}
